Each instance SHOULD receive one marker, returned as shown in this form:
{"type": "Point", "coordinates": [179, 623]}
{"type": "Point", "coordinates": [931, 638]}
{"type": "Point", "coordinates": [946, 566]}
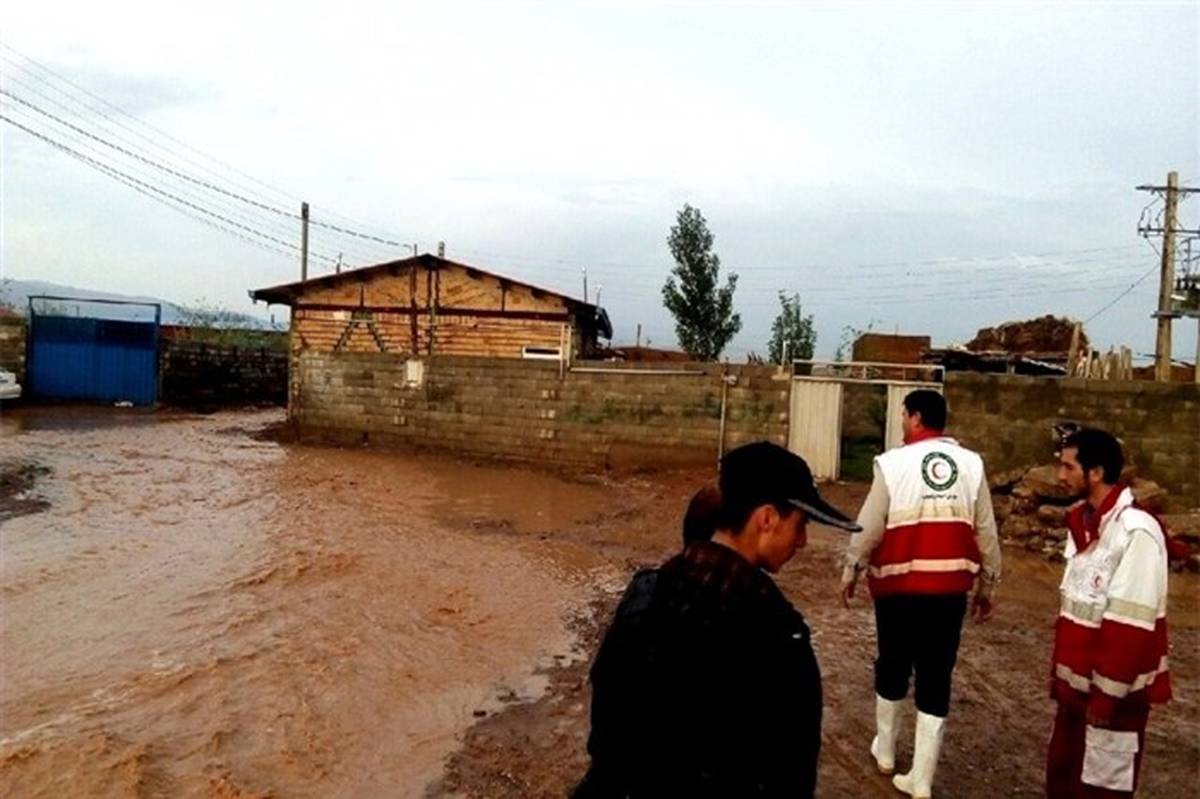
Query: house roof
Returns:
{"type": "Point", "coordinates": [287, 293]}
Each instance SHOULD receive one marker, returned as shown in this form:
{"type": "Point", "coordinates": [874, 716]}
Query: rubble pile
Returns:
{"type": "Point", "coordinates": [1042, 335]}
{"type": "Point", "coordinates": [1031, 511]}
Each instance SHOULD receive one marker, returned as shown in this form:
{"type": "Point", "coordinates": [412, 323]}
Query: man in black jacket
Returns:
{"type": "Point", "coordinates": [706, 684]}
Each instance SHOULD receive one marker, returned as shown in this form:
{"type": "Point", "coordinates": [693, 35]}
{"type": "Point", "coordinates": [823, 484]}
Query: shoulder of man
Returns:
{"type": "Point", "coordinates": [639, 594]}
{"type": "Point", "coordinates": [1134, 519]}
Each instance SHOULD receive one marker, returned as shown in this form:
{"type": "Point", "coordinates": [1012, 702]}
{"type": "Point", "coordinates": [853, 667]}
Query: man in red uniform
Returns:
{"type": "Point", "coordinates": [1110, 642]}
{"type": "Point", "coordinates": [928, 533]}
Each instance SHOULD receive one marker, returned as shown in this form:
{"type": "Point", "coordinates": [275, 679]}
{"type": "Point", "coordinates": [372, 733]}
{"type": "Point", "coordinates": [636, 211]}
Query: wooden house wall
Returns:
{"type": "Point", "coordinates": [376, 315]}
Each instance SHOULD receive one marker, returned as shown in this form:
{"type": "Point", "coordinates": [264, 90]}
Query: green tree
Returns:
{"type": "Point", "coordinates": [705, 321]}
{"type": "Point", "coordinates": [850, 334]}
{"type": "Point", "coordinates": [792, 332]}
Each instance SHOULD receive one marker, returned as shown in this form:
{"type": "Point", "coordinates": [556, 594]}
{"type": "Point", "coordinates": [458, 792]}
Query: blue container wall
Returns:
{"type": "Point", "coordinates": [93, 360]}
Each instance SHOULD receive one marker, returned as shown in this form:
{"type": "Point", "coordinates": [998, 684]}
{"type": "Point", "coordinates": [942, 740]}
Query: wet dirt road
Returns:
{"type": "Point", "coordinates": [1000, 717]}
{"type": "Point", "coordinates": [199, 612]}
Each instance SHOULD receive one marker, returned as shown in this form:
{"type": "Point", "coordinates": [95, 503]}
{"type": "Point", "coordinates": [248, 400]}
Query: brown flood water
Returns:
{"type": "Point", "coordinates": [201, 613]}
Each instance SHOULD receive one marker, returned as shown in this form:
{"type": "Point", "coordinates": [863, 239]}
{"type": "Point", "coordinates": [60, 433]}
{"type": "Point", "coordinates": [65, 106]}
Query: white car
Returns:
{"type": "Point", "coordinates": [9, 387]}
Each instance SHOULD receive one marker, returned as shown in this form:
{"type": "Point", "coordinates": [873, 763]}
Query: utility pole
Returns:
{"type": "Point", "coordinates": [585, 284]}
{"type": "Point", "coordinates": [303, 241]}
{"type": "Point", "coordinates": [1166, 311]}
{"type": "Point", "coordinates": [1162, 343]}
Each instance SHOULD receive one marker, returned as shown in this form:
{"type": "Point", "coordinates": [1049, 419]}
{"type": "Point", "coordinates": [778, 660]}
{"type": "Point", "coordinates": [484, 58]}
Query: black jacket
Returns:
{"type": "Point", "coordinates": [705, 686]}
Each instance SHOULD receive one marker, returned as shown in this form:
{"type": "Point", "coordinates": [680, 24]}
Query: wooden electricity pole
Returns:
{"type": "Point", "coordinates": [1162, 343]}
{"type": "Point", "coordinates": [303, 241]}
{"type": "Point", "coordinates": [1166, 307]}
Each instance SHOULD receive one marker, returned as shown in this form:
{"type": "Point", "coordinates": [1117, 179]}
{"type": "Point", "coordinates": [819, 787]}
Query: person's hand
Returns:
{"type": "Point", "coordinates": [848, 583]}
{"type": "Point", "coordinates": [981, 607]}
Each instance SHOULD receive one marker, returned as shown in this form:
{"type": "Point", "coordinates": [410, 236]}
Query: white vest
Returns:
{"type": "Point", "coordinates": [935, 480]}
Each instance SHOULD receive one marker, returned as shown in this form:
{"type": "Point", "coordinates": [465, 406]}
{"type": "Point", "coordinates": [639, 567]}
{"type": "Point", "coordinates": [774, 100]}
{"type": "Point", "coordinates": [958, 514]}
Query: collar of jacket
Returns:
{"type": "Point", "coordinates": [924, 435]}
{"type": "Point", "coordinates": [1085, 527]}
{"type": "Point", "coordinates": [724, 571]}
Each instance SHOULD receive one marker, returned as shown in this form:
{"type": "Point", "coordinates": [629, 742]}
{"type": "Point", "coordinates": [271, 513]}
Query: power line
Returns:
{"type": "Point", "coordinates": [1043, 276]}
{"type": "Point", "coordinates": [185, 188]}
{"type": "Point", "coordinates": [107, 169]}
{"type": "Point", "coordinates": [571, 265]}
{"type": "Point", "coordinates": [269, 222]}
{"type": "Point", "coordinates": [42, 67]}
{"type": "Point", "coordinates": [876, 268]}
{"type": "Point", "coordinates": [197, 181]}
{"type": "Point", "coordinates": [343, 229]}
{"type": "Point", "coordinates": [394, 242]}
{"type": "Point", "coordinates": [1123, 294]}
{"type": "Point", "coordinates": [149, 161]}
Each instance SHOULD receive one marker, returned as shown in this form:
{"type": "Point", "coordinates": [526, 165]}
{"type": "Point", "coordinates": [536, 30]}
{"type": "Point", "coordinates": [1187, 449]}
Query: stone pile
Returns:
{"type": "Point", "coordinates": [1031, 511]}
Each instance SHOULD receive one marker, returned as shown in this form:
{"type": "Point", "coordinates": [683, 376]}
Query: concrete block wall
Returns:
{"type": "Point", "coordinates": [1009, 420]}
{"type": "Point", "coordinates": [12, 346]}
{"type": "Point", "coordinates": [625, 416]}
{"type": "Point", "coordinates": [196, 374]}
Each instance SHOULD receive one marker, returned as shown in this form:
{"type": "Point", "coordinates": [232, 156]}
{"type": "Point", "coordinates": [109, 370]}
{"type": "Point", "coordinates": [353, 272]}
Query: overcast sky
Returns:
{"type": "Point", "coordinates": [927, 168]}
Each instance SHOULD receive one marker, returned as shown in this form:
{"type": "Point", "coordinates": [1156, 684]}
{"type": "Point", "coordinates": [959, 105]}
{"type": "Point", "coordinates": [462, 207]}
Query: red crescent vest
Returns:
{"type": "Point", "coordinates": [928, 545]}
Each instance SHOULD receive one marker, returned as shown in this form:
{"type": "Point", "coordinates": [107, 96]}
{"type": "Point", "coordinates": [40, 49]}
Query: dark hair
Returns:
{"type": "Point", "coordinates": [1097, 448]}
{"type": "Point", "coordinates": [700, 521]}
{"type": "Point", "coordinates": [734, 514]}
{"type": "Point", "coordinates": [930, 404]}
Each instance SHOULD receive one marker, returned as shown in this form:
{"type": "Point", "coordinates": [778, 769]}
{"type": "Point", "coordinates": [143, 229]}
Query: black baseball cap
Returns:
{"type": "Point", "coordinates": [763, 473]}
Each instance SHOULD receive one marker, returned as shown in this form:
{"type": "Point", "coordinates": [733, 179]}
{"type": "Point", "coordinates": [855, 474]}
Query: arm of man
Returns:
{"type": "Point", "coordinates": [618, 678]}
{"type": "Point", "coordinates": [988, 540]}
{"type": "Point", "coordinates": [872, 517]}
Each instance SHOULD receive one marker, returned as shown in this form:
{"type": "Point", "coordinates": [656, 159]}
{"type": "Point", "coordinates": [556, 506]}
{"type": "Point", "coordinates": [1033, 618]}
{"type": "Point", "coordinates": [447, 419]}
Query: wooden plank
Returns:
{"type": "Point", "coordinates": [344, 293]}
{"type": "Point", "coordinates": [521, 298]}
{"type": "Point", "coordinates": [1073, 353]}
{"type": "Point", "coordinates": [444, 311]}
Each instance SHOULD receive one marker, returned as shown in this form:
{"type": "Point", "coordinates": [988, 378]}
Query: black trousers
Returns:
{"type": "Point", "coordinates": [918, 634]}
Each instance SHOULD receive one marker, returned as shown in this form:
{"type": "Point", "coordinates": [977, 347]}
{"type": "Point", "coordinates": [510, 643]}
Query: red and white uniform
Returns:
{"type": "Point", "coordinates": [1110, 646]}
{"type": "Point", "coordinates": [939, 532]}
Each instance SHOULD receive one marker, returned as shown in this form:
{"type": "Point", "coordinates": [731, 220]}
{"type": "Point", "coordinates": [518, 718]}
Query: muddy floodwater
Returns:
{"type": "Point", "coordinates": [190, 608]}
{"type": "Point", "coordinates": [201, 613]}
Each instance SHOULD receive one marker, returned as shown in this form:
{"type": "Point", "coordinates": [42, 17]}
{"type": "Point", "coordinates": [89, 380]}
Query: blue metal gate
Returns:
{"type": "Point", "coordinates": [93, 360]}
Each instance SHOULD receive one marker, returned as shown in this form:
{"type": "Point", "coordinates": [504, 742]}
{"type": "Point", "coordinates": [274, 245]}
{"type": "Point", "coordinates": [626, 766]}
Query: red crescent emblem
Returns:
{"type": "Point", "coordinates": [933, 470]}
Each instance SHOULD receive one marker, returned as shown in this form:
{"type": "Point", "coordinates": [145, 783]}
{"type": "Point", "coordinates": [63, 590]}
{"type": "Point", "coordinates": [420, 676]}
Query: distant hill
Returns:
{"type": "Point", "coordinates": [15, 294]}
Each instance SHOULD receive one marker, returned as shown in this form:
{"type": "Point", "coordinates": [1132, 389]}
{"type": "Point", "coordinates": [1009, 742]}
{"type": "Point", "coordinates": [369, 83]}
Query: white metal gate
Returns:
{"type": "Point", "coordinates": [815, 431]}
{"type": "Point", "coordinates": [896, 392]}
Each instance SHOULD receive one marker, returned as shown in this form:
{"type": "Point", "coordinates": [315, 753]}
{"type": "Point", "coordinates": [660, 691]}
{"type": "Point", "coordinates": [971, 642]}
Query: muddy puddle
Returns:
{"type": "Point", "coordinates": [196, 612]}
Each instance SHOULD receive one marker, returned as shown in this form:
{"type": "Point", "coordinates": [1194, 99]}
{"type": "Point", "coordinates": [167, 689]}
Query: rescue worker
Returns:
{"type": "Point", "coordinates": [706, 684]}
{"type": "Point", "coordinates": [928, 533]}
{"type": "Point", "coordinates": [1110, 641]}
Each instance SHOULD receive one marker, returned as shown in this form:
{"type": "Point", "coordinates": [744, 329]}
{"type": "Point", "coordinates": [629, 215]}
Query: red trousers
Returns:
{"type": "Point", "coordinates": [1108, 761]}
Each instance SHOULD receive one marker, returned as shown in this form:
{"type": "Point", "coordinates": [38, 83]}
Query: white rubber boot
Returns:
{"type": "Point", "coordinates": [918, 782]}
{"type": "Point", "coordinates": [883, 746]}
